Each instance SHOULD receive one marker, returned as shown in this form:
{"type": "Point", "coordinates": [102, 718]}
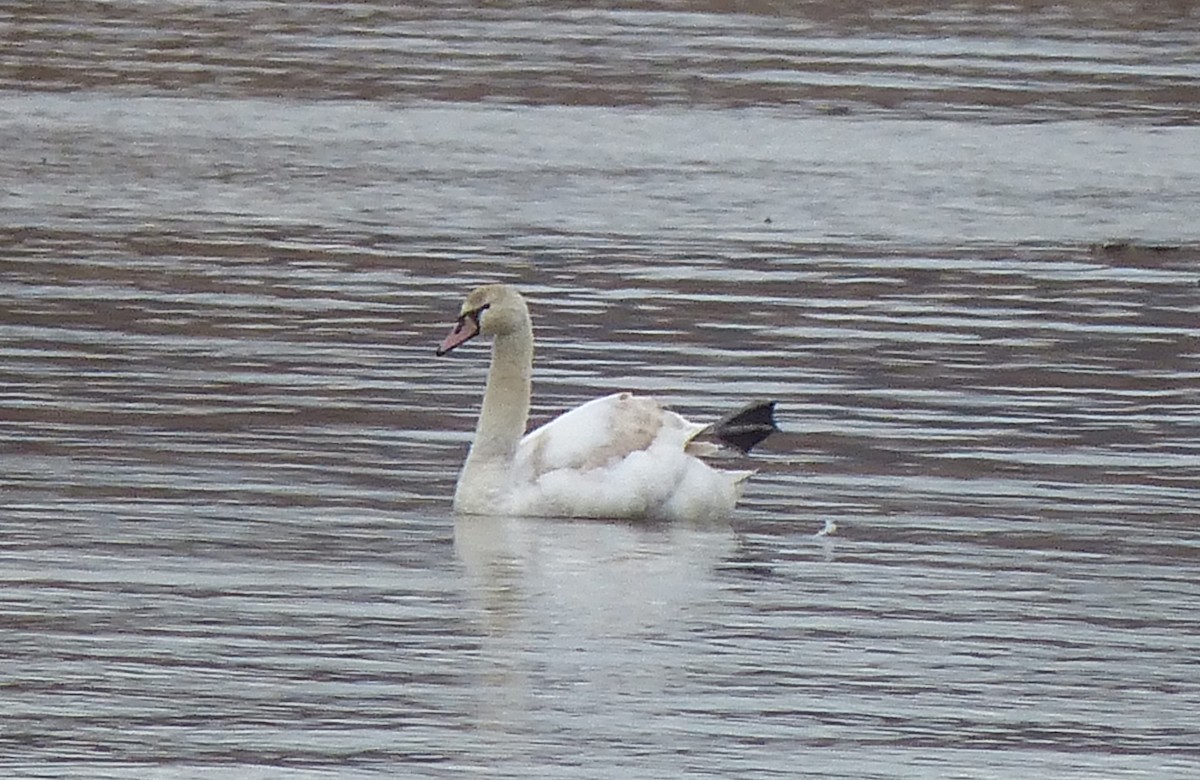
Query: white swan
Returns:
{"type": "Point", "coordinates": [620, 456]}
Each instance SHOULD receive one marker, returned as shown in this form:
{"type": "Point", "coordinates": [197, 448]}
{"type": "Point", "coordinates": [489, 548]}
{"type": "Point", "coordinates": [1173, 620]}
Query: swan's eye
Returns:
{"type": "Point", "coordinates": [475, 314]}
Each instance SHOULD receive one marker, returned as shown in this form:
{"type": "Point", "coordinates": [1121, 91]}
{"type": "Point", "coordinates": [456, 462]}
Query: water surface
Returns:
{"type": "Point", "coordinates": [959, 247]}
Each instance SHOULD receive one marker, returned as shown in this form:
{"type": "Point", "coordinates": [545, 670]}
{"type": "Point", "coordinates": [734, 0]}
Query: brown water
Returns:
{"type": "Point", "coordinates": [959, 245]}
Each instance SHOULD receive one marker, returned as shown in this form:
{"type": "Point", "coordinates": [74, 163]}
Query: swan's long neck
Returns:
{"type": "Point", "coordinates": [506, 399]}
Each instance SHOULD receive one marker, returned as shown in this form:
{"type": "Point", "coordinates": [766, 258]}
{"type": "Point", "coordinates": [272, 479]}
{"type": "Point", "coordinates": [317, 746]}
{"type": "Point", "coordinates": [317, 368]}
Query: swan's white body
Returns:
{"type": "Point", "coordinates": [620, 456]}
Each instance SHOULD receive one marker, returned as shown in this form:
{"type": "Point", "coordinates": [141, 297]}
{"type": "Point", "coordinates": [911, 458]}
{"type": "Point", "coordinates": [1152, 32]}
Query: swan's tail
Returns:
{"type": "Point", "coordinates": [746, 427]}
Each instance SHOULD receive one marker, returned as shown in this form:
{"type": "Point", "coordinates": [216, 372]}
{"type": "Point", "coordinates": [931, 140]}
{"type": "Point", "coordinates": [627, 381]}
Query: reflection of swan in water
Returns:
{"type": "Point", "coordinates": [586, 576]}
{"type": "Point", "coordinates": [581, 619]}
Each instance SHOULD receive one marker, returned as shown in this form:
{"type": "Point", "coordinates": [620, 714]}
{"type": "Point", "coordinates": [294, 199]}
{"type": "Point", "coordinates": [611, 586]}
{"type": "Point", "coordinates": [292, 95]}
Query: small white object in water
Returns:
{"type": "Point", "coordinates": [829, 529]}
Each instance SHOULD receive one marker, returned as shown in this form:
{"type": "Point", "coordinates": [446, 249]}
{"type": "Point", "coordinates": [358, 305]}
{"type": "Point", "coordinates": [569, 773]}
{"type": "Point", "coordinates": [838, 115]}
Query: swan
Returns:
{"type": "Point", "coordinates": [622, 456]}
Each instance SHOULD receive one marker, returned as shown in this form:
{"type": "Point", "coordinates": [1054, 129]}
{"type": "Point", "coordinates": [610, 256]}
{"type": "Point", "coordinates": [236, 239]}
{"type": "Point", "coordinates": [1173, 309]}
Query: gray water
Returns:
{"type": "Point", "coordinates": [958, 246]}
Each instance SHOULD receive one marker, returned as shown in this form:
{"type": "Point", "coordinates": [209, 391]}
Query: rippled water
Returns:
{"type": "Point", "coordinates": [959, 246]}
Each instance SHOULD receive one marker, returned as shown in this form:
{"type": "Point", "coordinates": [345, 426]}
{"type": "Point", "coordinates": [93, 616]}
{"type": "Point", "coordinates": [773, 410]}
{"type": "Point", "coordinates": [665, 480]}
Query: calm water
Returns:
{"type": "Point", "coordinates": [960, 247]}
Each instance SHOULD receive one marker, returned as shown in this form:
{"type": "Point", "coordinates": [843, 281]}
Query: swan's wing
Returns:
{"type": "Point", "coordinates": [600, 433]}
{"type": "Point", "coordinates": [621, 456]}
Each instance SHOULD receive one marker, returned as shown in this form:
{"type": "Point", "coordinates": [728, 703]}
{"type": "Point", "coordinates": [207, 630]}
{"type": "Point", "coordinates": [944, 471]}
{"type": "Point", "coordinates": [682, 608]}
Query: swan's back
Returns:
{"type": "Point", "coordinates": [620, 456]}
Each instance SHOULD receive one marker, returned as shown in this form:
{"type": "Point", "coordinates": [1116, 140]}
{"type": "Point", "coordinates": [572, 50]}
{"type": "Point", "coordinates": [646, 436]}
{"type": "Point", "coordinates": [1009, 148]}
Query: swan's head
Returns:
{"type": "Point", "coordinates": [491, 310]}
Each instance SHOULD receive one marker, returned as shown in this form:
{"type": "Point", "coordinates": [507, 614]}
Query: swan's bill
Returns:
{"type": "Point", "coordinates": [464, 330]}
